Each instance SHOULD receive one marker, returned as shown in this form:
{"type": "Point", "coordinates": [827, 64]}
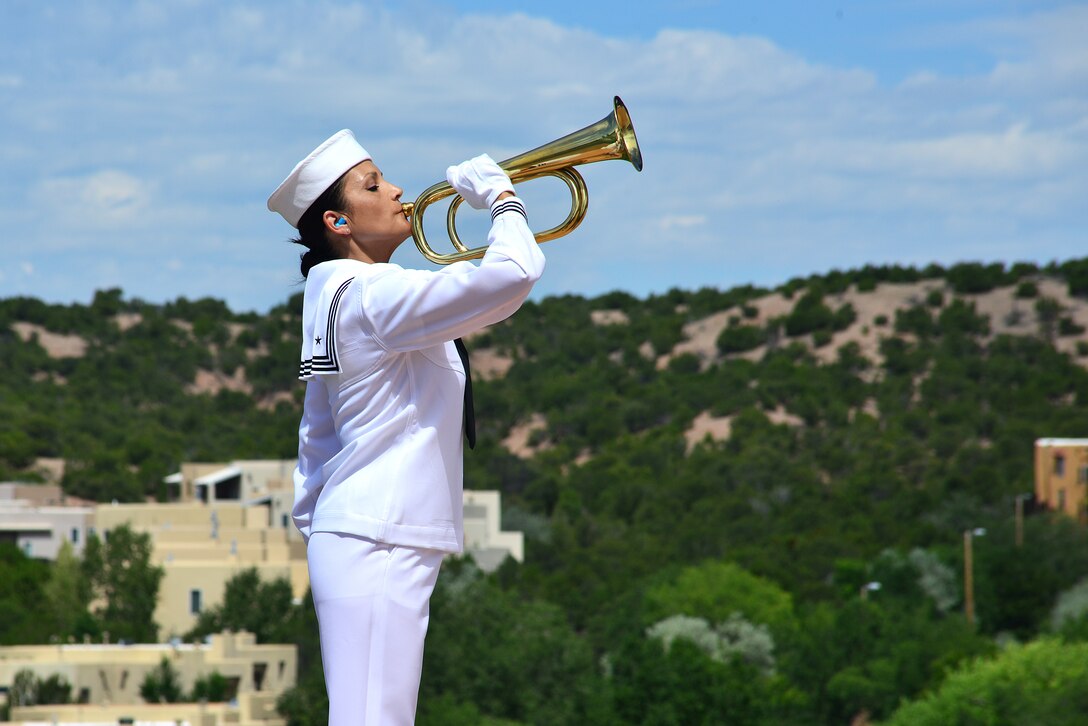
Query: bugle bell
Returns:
{"type": "Point", "coordinates": [613, 137]}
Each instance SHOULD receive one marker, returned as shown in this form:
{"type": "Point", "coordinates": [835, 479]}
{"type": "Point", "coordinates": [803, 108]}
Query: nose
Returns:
{"type": "Point", "coordinates": [397, 191]}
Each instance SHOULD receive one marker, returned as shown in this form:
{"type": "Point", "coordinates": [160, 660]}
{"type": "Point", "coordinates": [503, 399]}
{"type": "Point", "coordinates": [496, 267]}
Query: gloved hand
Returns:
{"type": "Point", "coordinates": [480, 181]}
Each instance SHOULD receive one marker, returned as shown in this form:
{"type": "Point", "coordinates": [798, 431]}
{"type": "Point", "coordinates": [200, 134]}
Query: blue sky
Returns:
{"type": "Point", "coordinates": [139, 140]}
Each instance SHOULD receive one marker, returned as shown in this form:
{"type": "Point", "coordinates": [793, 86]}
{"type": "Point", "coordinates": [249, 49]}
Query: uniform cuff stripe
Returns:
{"type": "Point", "coordinates": [510, 204]}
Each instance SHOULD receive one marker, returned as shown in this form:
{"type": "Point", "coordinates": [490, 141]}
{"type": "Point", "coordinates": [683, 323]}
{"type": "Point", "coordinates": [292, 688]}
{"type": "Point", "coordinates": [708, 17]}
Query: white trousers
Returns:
{"type": "Point", "coordinates": [373, 605]}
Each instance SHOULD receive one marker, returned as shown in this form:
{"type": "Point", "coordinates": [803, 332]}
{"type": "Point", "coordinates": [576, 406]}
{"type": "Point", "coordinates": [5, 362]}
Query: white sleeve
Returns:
{"type": "Point", "coordinates": [413, 309]}
{"type": "Point", "coordinates": [317, 443]}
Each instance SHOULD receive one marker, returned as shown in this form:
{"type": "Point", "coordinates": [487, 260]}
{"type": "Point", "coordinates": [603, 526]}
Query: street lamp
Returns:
{"type": "Point", "coordinates": [969, 573]}
{"type": "Point", "coordinates": [867, 588]}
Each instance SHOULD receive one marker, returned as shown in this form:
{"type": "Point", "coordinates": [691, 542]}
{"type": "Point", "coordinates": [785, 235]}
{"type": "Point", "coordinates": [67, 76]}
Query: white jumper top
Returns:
{"type": "Point", "coordinates": [380, 442]}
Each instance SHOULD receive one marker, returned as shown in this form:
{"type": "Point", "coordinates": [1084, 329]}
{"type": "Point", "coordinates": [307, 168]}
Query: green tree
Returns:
{"type": "Point", "coordinates": [681, 684]}
{"type": "Point", "coordinates": [24, 688]}
{"type": "Point", "coordinates": [715, 590]}
{"type": "Point", "coordinates": [270, 623]}
{"type": "Point", "coordinates": [29, 690]}
{"type": "Point", "coordinates": [21, 597]}
{"type": "Point", "coordinates": [162, 684]}
{"type": "Point", "coordinates": [1044, 682]}
{"type": "Point", "coordinates": [212, 687]}
{"type": "Point", "coordinates": [125, 584]}
{"type": "Point", "coordinates": [67, 595]}
{"type": "Point", "coordinates": [512, 659]}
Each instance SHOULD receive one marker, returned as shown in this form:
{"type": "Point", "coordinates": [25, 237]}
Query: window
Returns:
{"type": "Point", "coordinates": [1059, 464]}
{"type": "Point", "coordinates": [1082, 475]}
{"type": "Point", "coordinates": [194, 601]}
{"type": "Point", "coordinates": [1061, 499]}
{"type": "Point", "coordinates": [259, 670]}
{"type": "Point", "coordinates": [284, 520]}
{"type": "Point", "coordinates": [75, 535]}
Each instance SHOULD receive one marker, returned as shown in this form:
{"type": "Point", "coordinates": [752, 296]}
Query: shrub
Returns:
{"type": "Point", "coordinates": [1068, 326]}
{"type": "Point", "coordinates": [740, 339]}
{"type": "Point", "coordinates": [974, 277]}
{"type": "Point", "coordinates": [1027, 289]}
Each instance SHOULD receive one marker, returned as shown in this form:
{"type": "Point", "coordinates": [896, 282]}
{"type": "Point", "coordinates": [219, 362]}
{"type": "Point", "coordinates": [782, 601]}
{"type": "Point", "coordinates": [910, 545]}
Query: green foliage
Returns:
{"type": "Point", "coordinates": [740, 338]}
{"type": "Point", "coordinates": [1048, 311]}
{"type": "Point", "coordinates": [1027, 289]}
{"type": "Point", "coordinates": [1068, 326]}
{"type": "Point", "coordinates": [1076, 275]}
{"type": "Point", "coordinates": [122, 415]}
{"type": "Point", "coordinates": [810, 315]}
{"type": "Point", "coordinates": [29, 690]}
{"type": "Point", "coordinates": [975, 277]}
{"type": "Point", "coordinates": [683, 685]}
{"type": "Point", "coordinates": [838, 469]}
{"type": "Point", "coordinates": [67, 593]}
{"type": "Point", "coordinates": [865, 655]}
{"type": "Point", "coordinates": [212, 687]}
{"type": "Point", "coordinates": [21, 595]}
{"type": "Point", "coordinates": [306, 704]}
{"type": "Point", "coordinates": [715, 590]}
{"type": "Point", "coordinates": [273, 622]}
{"type": "Point", "coordinates": [162, 684]}
{"type": "Point", "coordinates": [122, 576]}
{"type": "Point", "coordinates": [513, 659]}
{"type": "Point", "coordinates": [734, 639]}
{"type": "Point", "coordinates": [917, 320]}
{"type": "Point", "coordinates": [1070, 607]}
{"type": "Point", "coordinates": [1045, 682]}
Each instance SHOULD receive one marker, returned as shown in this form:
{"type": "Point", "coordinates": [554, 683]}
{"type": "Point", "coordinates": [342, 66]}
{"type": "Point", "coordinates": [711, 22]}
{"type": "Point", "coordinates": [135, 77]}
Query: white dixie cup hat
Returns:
{"type": "Point", "coordinates": [316, 173]}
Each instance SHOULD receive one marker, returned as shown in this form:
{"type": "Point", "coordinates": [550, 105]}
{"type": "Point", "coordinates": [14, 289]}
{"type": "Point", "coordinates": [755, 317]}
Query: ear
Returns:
{"type": "Point", "coordinates": [334, 224]}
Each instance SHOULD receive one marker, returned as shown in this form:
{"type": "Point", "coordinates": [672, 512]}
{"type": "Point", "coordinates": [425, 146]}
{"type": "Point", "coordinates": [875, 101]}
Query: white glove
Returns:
{"type": "Point", "coordinates": [480, 181]}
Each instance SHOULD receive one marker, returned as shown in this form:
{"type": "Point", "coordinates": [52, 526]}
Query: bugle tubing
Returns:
{"type": "Point", "coordinates": [613, 137]}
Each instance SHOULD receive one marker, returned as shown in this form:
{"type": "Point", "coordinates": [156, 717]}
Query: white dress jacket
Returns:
{"type": "Point", "coordinates": [381, 439]}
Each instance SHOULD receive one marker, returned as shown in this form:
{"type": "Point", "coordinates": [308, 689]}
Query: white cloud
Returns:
{"type": "Point", "coordinates": [190, 112]}
{"type": "Point", "coordinates": [681, 221]}
{"type": "Point", "coordinates": [104, 199]}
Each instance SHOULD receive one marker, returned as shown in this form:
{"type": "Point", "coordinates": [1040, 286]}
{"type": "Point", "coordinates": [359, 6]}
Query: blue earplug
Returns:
{"type": "Point", "coordinates": [340, 222]}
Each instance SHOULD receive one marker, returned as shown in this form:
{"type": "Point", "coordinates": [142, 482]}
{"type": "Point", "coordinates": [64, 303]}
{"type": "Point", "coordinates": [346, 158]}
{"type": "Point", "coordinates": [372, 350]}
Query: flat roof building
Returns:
{"type": "Point", "coordinates": [1061, 475]}
{"type": "Point", "coordinates": [106, 679]}
{"type": "Point", "coordinates": [39, 518]}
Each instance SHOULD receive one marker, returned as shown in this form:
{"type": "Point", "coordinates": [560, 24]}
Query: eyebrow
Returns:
{"type": "Point", "coordinates": [368, 176]}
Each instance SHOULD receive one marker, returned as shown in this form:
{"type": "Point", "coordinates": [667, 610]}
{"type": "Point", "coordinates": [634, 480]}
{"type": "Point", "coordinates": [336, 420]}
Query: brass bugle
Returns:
{"type": "Point", "coordinates": [613, 137]}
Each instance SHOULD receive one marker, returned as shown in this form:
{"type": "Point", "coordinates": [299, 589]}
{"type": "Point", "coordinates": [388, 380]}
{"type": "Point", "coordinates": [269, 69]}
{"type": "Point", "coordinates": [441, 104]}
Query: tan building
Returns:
{"type": "Point", "coordinates": [223, 518]}
{"type": "Point", "coordinates": [106, 680]}
{"type": "Point", "coordinates": [267, 484]}
{"type": "Point", "coordinates": [1061, 475]}
{"type": "Point", "coordinates": [201, 547]}
{"type": "Point", "coordinates": [484, 540]}
{"type": "Point", "coordinates": [39, 518]}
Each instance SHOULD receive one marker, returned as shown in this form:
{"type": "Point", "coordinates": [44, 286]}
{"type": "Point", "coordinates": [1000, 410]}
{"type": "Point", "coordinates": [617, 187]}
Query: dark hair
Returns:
{"type": "Point", "coordinates": [311, 228]}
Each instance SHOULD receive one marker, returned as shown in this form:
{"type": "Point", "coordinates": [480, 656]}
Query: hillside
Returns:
{"type": "Point", "coordinates": [664, 456]}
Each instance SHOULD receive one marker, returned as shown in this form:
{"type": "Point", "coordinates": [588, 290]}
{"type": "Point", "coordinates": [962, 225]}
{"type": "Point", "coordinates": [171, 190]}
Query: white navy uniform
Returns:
{"type": "Point", "coordinates": [378, 488]}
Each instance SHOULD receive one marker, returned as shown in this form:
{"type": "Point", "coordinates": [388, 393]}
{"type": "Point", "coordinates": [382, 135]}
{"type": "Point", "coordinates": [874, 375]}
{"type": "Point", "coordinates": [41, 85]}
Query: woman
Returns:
{"type": "Point", "coordinates": [378, 486]}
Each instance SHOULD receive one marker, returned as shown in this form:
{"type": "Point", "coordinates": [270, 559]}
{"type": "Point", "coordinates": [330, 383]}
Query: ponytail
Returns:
{"type": "Point", "coordinates": [312, 233]}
